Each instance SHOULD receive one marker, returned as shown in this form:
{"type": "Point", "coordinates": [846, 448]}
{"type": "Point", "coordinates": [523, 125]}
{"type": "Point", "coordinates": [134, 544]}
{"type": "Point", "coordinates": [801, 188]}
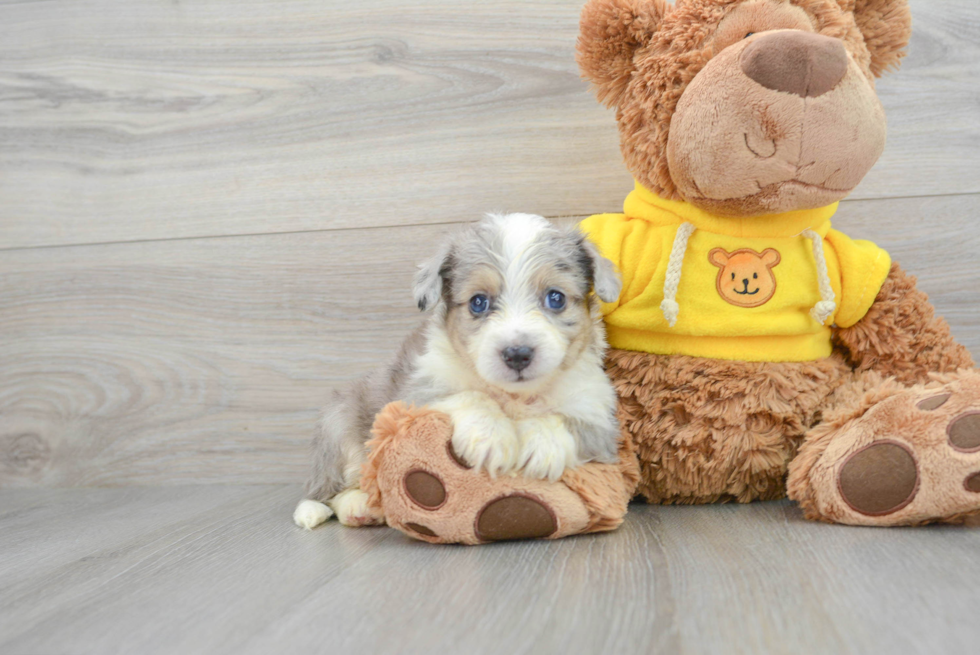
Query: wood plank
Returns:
{"type": "Point", "coordinates": [160, 120]}
{"type": "Point", "coordinates": [143, 363]}
{"type": "Point", "coordinates": [54, 515]}
{"type": "Point", "coordinates": [205, 360]}
{"type": "Point", "coordinates": [154, 549]}
{"type": "Point", "coordinates": [232, 575]}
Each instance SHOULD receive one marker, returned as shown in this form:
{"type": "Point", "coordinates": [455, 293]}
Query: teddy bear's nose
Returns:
{"type": "Point", "coordinates": [797, 62]}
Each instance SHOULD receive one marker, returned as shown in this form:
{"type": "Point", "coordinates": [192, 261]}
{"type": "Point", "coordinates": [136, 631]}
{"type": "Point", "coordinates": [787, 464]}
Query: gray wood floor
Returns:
{"type": "Point", "coordinates": [210, 211]}
{"type": "Point", "coordinates": [220, 569]}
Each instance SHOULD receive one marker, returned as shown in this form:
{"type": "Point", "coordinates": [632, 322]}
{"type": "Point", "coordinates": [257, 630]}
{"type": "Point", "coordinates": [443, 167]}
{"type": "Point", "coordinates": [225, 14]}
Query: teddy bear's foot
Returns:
{"type": "Point", "coordinates": [913, 457]}
{"type": "Point", "coordinates": [429, 492]}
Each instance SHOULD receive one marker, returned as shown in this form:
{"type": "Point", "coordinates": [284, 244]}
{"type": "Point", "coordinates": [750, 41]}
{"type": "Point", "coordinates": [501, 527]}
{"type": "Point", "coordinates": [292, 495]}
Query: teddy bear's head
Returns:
{"type": "Point", "coordinates": [745, 107]}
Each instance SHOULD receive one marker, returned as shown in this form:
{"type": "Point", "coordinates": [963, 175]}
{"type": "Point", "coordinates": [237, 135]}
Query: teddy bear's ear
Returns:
{"type": "Point", "coordinates": [770, 257]}
{"type": "Point", "coordinates": [886, 26]}
{"type": "Point", "coordinates": [609, 33]}
{"type": "Point", "coordinates": [718, 257]}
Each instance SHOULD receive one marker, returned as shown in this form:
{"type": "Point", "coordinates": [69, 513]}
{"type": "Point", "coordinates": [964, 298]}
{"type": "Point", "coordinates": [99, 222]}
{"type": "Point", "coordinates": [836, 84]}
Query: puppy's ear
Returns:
{"type": "Point", "coordinates": [602, 273]}
{"type": "Point", "coordinates": [431, 278]}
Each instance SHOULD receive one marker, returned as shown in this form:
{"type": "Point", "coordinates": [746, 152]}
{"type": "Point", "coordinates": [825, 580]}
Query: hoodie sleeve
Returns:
{"type": "Point", "coordinates": [633, 246]}
{"type": "Point", "coordinates": [863, 268]}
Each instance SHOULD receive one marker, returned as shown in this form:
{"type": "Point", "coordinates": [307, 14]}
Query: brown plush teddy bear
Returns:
{"type": "Point", "coordinates": [751, 340]}
{"type": "Point", "coordinates": [757, 352]}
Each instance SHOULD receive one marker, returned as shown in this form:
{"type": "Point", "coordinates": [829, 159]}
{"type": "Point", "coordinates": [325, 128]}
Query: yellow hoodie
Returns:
{"type": "Point", "coordinates": [766, 288]}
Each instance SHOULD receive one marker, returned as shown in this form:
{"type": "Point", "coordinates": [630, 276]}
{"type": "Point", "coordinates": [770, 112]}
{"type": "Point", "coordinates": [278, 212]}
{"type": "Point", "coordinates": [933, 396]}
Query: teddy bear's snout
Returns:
{"type": "Point", "coordinates": [793, 61]}
{"type": "Point", "coordinates": [782, 120]}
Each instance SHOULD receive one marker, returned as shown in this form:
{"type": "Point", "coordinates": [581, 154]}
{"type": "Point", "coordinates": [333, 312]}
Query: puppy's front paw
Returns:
{"type": "Point", "coordinates": [486, 442]}
{"type": "Point", "coordinates": [352, 509]}
{"type": "Point", "coordinates": [483, 436]}
{"type": "Point", "coordinates": [547, 447]}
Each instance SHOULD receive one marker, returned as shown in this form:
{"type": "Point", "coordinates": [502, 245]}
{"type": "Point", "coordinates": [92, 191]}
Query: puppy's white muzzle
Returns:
{"type": "Point", "coordinates": [519, 352]}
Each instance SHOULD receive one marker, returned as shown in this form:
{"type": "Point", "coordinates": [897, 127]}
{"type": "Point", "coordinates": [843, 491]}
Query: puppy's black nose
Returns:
{"type": "Point", "coordinates": [517, 357]}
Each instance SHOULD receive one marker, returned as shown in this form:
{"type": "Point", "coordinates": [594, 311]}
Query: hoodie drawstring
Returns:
{"type": "Point", "coordinates": [669, 306]}
{"type": "Point", "coordinates": [827, 305]}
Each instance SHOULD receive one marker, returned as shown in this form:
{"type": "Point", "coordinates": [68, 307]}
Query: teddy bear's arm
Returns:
{"type": "Point", "coordinates": [901, 335]}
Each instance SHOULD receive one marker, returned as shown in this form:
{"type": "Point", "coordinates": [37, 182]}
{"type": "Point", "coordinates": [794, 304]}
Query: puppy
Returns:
{"type": "Point", "coordinates": [512, 351]}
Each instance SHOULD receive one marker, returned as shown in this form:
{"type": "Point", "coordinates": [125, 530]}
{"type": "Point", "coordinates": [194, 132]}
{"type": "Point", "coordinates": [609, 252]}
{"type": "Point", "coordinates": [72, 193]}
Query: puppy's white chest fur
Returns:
{"type": "Point", "coordinates": [517, 407]}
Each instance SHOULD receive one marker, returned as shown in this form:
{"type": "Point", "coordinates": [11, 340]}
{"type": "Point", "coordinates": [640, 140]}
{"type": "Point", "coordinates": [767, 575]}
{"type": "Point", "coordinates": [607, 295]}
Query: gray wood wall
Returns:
{"type": "Point", "coordinates": [210, 211]}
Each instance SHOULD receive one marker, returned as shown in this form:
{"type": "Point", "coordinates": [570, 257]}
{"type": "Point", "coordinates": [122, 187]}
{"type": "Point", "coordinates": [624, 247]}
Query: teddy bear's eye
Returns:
{"type": "Point", "coordinates": [733, 276]}
{"type": "Point", "coordinates": [755, 276]}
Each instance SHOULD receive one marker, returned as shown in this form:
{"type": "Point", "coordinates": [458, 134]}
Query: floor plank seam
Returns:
{"type": "Point", "coordinates": [329, 230]}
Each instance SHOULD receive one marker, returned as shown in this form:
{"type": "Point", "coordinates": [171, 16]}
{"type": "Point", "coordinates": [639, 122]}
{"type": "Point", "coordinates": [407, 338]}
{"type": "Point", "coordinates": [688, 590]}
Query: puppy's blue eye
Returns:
{"type": "Point", "coordinates": [479, 303]}
{"type": "Point", "coordinates": [748, 34]}
{"type": "Point", "coordinates": [555, 300]}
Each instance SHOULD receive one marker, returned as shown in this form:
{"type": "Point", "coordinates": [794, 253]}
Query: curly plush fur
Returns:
{"type": "Point", "coordinates": [708, 430]}
{"type": "Point", "coordinates": [901, 335]}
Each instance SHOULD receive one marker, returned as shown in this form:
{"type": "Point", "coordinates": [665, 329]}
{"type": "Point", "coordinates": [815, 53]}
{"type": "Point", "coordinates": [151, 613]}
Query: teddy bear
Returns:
{"type": "Point", "coordinates": [757, 352]}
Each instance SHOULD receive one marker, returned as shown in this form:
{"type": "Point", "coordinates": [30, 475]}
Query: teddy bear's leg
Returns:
{"type": "Point", "coordinates": [429, 492]}
{"type": "Point", "coordinates": [709, 430]}
{"type": "Point", "coordinates": [887, 454]}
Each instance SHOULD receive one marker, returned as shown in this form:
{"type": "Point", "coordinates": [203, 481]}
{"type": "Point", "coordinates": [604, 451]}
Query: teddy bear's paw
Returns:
{"type": "Point", "coordinates": [427, 489]}
{"type": "Point", "coordinates": [516, 515]}
{"type": "Point", "coordinates": [449, 501]}
{"type": "Point", "coordinates": [310, 513]}
{"type": "Point", "coordinates": [547, 448]}
{"type": "Point", "coordinates": [351, 508]}
{"type": "Point", "coordinates": [912, 458]}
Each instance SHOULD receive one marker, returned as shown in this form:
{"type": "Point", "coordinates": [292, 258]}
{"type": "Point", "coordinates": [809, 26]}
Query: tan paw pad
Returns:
{"type": "Point", "coordinates": [425, 489]}
{"type": "Point", "coordinates": [879, 479]}
{"type": "Point", "coordinates": [515, 517]}
{"type": "Point", "coordinates": [933, 403]}
{"type": "Point", "coordinates": [421, 529]}
{"type": "Point", "coordinates": [964, 432]}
